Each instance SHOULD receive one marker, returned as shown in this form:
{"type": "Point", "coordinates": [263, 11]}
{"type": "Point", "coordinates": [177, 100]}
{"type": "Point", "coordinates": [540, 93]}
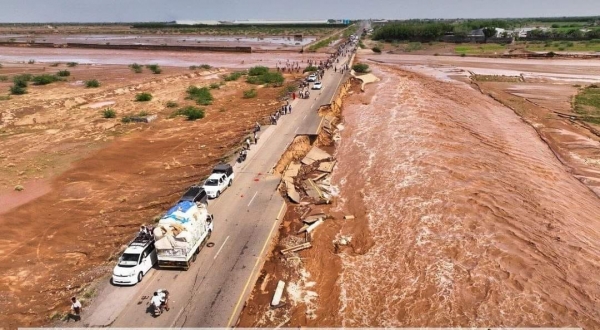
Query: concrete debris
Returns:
{"type": "Point", "coordinates": [343, 240]}
{"type": "Point", "coordinates": [291, 192]}
{"type": "Point", "coordinates": [145, 119]}
{"type": "Point", "coordinates": [348, 217]}
{"type": "Point", "coordinates": [296, 248]}
{"type": "Point", "coordinates": [292, 170]}
{"type": "Point", "coordinates": [312, 190]}
{"type": "Point", "coordinates": [315, 154]}
{"type": "Point", "coordinates": [326, 166]}
{"type": "Point", "coordinates": [312, 227]}
{"type": "Point", "coordinates": [314, 218]}
{"type": "Point", "coordinates": [278, 293]}
{"type": "Point", "coordinates": [303, 229]}
{"type": "Point", "coordinates": [319, 177]}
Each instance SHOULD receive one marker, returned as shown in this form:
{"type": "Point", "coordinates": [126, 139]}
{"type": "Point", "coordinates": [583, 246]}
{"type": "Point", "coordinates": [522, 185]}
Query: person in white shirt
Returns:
{"type": "Point", "coordinates": [157, 300]}
{"type": "Point", "coordinates": [75, 309]}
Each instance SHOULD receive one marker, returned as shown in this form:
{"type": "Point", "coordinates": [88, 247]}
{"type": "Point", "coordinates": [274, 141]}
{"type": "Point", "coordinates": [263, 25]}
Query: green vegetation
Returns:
{"type": "Point", "coordinates": [63, 73]}
{"type": "Point", "coordinates": [202, 96]}
{"type": "Point", "coordinates": [191, 113]}
{"type": "Point", "coordinates": [201, 66]}
{"type": "Point", "coordinates": [215, 86]}
{"type": "Point", "coordinates": [109, 113]}
{"type": "Point", "coordinates": [136, 67]}
{"type": "Point", "coordinates": [55, 64]}
{"type": "Point", "coordinates": [44, 79]}
{"type": "Point", "coordinates": [143, 97]}
{"type": "Point", "coordinates": [4, 97]}
{"type": "Point", "coordinates": [233, 76]}
{"type": "Point", "coordinates": [260, 75]}
{"type": "Point", "coordinates": [320, 44]}
{"type": "Point", "coordinates": [18, 90]}
{"type": "Point", "coordinates": [361, 44]}
{"type": "Point", "coordinates": [92, 83]}
{"type": "Point", "coordinates": [72, 64]}
{"type": "Point", "coordinates": [478, 48]}
{"type": "Point", "coordinates": [587, 104]}
{"type": "Point", "coordinates": [172, 104]}
{"type": "Point", "coordinates": [19, 86]}
{"type": "Point", "coordinates": [128, 119]}
{"type": "Point", "coordinates": [412, 31]}
{"type": "Point", "coordinates": [376, 50]}
{"type": "Point", "coordinates": [311, 68]}
{"type": "Point", "coordinates": [31, 62]}
{"type": "Point", "coordinates": [251, 93]}
{"type": "Point", "coordinates": [360, 68]}
{"type": "Point", "coordinates": [413, 46]}
{"type": "Point", "coordinates": [155, 68]}
{"type": "Point", "coordinates": [3, 78]}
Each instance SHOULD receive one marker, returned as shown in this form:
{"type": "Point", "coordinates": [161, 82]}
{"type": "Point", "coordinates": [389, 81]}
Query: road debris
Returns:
{"type": "Point", "coordinates": [326, 166]}
{"type": "Point", "coordinates": [348, 217]}
{"type": "Point", "coordinates": [296, 248]}
{"type": "Point", "coordinates": [276, 301]}
{"type": "Point", "coordinates": [312, 227]}
{"type": "Point", "coordinates": [315, 154]}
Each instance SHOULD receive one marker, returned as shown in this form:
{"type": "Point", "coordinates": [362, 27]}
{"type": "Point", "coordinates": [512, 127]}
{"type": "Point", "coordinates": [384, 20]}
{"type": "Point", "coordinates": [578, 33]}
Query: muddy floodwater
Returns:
{"type": "Point", "coordinates": [475, 221]}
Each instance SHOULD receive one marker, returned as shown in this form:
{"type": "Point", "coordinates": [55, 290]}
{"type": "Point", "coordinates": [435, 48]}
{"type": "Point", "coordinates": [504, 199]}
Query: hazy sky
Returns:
{"type": "Point", "coordinates": [167, 10]}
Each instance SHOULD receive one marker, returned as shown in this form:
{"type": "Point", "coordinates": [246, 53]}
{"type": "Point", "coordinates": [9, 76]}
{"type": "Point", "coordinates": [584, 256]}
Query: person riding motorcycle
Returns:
{"type": "Point", "coordinates": [160, 300]}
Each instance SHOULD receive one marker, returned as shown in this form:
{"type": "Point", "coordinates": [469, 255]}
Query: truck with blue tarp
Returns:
{"type": "Point", "coordinates": [181, 233]}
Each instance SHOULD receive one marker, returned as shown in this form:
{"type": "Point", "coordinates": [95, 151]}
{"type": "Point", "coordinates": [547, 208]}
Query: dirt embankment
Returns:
{"type": "Point", "coordinates": [106, 177]}
{"type": "Point", "coordinates": [311, 274]}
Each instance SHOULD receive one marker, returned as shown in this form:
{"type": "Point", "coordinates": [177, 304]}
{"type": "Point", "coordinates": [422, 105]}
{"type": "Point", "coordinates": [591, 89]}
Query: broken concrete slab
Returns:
{"type": "Point", "coordinates": [312, 227]}
{"type": "Point", "coordinates": [326, 166]}
{"type": "Point", "coordinates": [296, 248]}
{"type": "Point", "coordinates": [311, 189]}
{"type": "Point", "coordinates": [315, 154]}
{"type": "Point", "coordinates": [292, 170]}
{"type": "Point", "coordinates": [291, 192]}
{"type": "Point", "coordinates": [319, 177]}
{"type": "Point", "coordinates": [314, 218]}
{"type": "Point", "coordinates": [303, 229]}
{"type": "Point", "coordinates": [278, 293]}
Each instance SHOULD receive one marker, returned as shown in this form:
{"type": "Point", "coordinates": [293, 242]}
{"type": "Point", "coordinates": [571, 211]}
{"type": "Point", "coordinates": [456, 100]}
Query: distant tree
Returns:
{"type": "Point", "coordinates": [489, 32]}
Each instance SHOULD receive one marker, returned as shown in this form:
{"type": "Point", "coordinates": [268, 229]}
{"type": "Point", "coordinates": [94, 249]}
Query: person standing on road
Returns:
{"type": "Point", "coordinates": [255, 137]}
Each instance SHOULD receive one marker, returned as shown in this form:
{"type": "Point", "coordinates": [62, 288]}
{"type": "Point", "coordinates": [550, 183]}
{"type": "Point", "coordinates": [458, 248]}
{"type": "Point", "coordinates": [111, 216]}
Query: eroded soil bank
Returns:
{"type": "Point", "coordinates": [473, 220]}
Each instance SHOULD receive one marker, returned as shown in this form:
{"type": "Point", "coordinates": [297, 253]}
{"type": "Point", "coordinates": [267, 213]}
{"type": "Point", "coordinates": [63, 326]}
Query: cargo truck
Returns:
{"type": "Point", "coordinates": [181, 233]}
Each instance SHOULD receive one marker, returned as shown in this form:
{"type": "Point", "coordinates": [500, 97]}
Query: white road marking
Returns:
{"type": "Point", "coordinates": [253, 198]}
{"type": "Point", "coordinates": [297, 128]}
{"type": "Point", "coordinates": [304, 117]}
{"type": "Point", "coordinates": [221, 248]}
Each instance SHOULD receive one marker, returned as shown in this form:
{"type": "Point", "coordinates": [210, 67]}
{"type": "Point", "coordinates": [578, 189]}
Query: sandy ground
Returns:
{"type": "Point", "coordinates": [490, 219]}
{"type": "Point", "coordinates": [90, 182]}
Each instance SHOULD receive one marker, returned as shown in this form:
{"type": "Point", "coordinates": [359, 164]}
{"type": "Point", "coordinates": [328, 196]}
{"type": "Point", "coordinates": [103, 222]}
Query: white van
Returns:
{"type": "Point", "coordinates": [135, 262]}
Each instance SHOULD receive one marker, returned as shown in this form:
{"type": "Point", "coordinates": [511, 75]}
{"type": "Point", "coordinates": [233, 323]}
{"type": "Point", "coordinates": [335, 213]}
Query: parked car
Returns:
{"type": "Point", "coordinates": [312, 77]}
{"type": "Point", "coordinates": [195, 194]}
{"type": "Point", "coordinates": [216, 184]}
{"type": "Point", "coordinates": [317, 85]}
{"type": "Point", "coordinates": [226, 169]}
{"type": "Point", "coordinates": [137, 259]}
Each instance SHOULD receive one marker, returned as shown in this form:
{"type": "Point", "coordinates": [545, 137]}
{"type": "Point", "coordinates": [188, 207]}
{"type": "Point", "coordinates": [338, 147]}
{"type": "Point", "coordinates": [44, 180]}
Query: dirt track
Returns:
{"type": "Point", "coordinates": [101, 178]}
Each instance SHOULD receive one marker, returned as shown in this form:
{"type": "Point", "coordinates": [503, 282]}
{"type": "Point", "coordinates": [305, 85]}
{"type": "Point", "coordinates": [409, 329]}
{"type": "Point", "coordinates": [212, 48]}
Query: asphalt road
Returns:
{"type": "Point", "coordinates": [212, 292]}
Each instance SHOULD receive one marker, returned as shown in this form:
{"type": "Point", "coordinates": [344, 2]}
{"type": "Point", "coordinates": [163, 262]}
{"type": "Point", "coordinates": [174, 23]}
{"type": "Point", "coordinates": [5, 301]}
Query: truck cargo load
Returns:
{"type": "Point", "coordinates": [181, 233]}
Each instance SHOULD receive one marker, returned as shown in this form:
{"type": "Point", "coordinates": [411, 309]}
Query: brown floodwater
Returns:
{"type": "Point", "coordinates": [475, 221]}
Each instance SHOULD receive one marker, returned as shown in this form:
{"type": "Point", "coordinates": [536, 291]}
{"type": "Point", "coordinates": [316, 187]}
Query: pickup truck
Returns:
{"type": "Point", "coordinates": [222, 177]}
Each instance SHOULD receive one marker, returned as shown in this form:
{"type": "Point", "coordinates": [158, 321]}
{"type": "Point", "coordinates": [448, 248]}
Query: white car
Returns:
{"type": "Point", "coordinates": [312, 77]}
{"type": "Point", "coordinates": [135, 262]}
{"type": "Point", "coordinates": [317, 85]}
{"type": "Point", "coordinates": [216, 184]}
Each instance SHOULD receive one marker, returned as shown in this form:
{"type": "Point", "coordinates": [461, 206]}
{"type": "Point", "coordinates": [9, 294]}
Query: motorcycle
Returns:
{"type": "Point", "coordinates": [164, 303]}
